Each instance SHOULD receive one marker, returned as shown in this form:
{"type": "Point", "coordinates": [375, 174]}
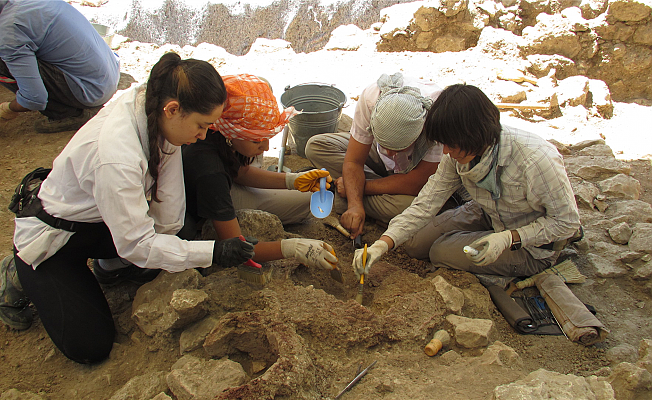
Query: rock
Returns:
{"type": "Point", "coordinates": [601, 98]}
{"type": "Point", "coordinates": [641, 239]}
{"type": "Point", "coordinates": [189, 305]}
{"type": "Point", "coordinates": [193, 337]}
{"type": "Point", "coordinates": [643, 273]}
{"type": "Point", "coordinates": [605, 268]}
{"type": "Point", "coordinates": [573, 91]}
{"type": "Point", "coordinates": [500, 354]}
{"type": "Point", "coordinates": [471, 332]}
{"type": "Point", "coordinates": [162, 396]}
{"type": "Point", "coordinates": [586, 143]}
{"type": "Point", "coordinates": [591, 168]}
{"type": "Point", "coordinates": [553, 65]}
{"type": "Point", "coordinates": [630, 256]}
{"type": "Point", "coordinates": [552, 34]}
{"type": "Point", "coordinates": [630, 381]}
{"type": "Point", "coordinates": [142, 387]}
{"type": "Point", "coordinates": [598, 150]}
{"type": "Point", "coordinates": [621, 186]}
{"type": "Point", "coordinates": [645, 355]}
{"type": "Point", "coordinates": [592, 8]}
{"type": "Point", "coordinates": [620, 233]}
{"type": "Point", "coordinates": [561, 148]}
{"type": "Point", "coordinates": [450, 357]}
{"type": "Point", "coordinates": [585, 192]}
{"type": "Point", "coordinates": [632, 211]}
{"type": "Point", "coordinates": [195, 379]}
{"type": "Point", "coordinates": [452, 296]}
{"type": "Point", "coordinates": [622, 353]}
{"type": "Point", "coordinates": [151, 308]}
{"type": "Point", "coordinates": [628, 10]}
{"type": "Point", "coordinates": [512, 92]}
{"type": "Point", "coordinates": [542, 384]}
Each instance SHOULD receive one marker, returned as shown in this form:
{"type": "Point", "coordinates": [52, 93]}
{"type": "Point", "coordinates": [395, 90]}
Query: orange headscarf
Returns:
{"type": "Point", "coordinates": [251, 111]}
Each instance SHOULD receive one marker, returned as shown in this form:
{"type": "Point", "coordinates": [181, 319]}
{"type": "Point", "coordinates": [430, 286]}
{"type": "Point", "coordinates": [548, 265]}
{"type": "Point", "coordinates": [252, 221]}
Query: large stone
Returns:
{"type": "Point", "coordinates": [552, 34]}
{"type": "Point", "coordinates": [604, 268]}
{"type": "Point", "coordinates": [620, 233]}
{"type": "Point", "coordinates": [193, 337]}
{"type": "Point", "coordinates": [453, 297]}
{"type": "Point", "coordinates": [641, 239]}
{"type": "Point", "coordinates": [543, 385]}
{"type": "Point", "coordinates": [621, 186]}
{"type": "Point", "coordinates": [628, 10]}
{"type": "Point", "coordinates": [585, 192]}
{"type": "Point", "coordinates": [151, 308]}
{"type": "Point", "coordinates": [501, 354]}
{"type": "Point", "coordinates": [471, 332]}
{"type": "Point", "coordinates": [622, 353]}
{"type": "Point", "coordinates": [598, 150]}
{"type": "Point", "coordinates": [592, 168]}
{"type": "Point", "coordinates": [142, 387]}
{"type": "Point", "coordinates": [15, 394]}
{"type": "Point", "coordinates": [631, 211]}
{"type": "Point", "coordinates": [573, 91]}
{"type": "Point", "coordinates": [630, 381]}
{"type": "Point", "coordinates": [194, 379]}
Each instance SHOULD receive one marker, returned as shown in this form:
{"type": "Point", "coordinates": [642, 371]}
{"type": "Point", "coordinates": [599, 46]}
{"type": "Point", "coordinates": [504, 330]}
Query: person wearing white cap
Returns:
{"type": "Point", "coordinates": [380, 166]}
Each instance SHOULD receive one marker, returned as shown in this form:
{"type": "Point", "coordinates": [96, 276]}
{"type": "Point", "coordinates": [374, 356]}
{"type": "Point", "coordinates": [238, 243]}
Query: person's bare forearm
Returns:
{"type": "Point", "coordinates": [393, 184]}
{"type": "Point", "coordinates": [14, 106]}
{"type": "Point", "coordinates": [354, 182]}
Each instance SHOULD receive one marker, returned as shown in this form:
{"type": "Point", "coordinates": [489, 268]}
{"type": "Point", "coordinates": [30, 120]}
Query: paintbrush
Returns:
{"type": "Point", "coordinates": [251, 271]}
{"type": "Point", "coordinates": [332, 221]}
{"type": "Point", "coordinates": [358, 297]}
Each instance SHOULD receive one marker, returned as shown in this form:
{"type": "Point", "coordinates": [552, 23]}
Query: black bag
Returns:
{"type": "Point", "coordinates": [24, 202]}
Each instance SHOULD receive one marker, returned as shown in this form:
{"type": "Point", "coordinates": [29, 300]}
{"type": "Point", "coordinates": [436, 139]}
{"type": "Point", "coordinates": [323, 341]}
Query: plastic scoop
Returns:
{"type": "Point", "coordinates": [321, 202]}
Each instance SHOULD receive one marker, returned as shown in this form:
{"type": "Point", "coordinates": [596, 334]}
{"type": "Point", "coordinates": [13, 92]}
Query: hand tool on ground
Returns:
{"type": "Point", "coordinates": [336, 274]}
{"type": "Point", "coordinates": [566, 270]}
{"type": "Point", "coordinates": [439, 340]}
{"type": "Point", "coordinates": [334, 222]}
{"type": "Point", "coordinates": [355, 380]}
{"type": "Point", "coordinates": [358, 297]}
{"type": "Point", "coordinates": [251, 271]}
{"type": "Point", "coordinates": [321, 202]}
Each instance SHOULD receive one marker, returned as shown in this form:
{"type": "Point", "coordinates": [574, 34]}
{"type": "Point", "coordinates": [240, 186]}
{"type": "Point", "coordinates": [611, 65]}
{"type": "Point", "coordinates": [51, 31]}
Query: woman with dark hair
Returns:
{"type": "Point", "coordinates": [220, 177]}
{"type": "Point", "coordinates": [522, 199]}
{"type": "Point", "coordinates": [116, 190]}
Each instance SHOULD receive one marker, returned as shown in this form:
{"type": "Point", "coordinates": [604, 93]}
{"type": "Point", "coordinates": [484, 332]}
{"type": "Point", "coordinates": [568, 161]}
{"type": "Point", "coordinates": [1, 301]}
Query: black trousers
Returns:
{"type": "Point", "coordinates": [61, 102]}
{"type": "Point", "coordinates": [69, 300]}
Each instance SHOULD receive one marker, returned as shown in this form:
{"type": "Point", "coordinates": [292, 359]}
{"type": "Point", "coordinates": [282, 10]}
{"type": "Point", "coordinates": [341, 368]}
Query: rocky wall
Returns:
{"type": "Point", "coordinates": [605, 40]}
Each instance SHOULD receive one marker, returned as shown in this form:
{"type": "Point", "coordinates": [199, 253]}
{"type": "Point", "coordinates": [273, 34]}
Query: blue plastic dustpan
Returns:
{"type": "Point", "coordinates": [321, 202]}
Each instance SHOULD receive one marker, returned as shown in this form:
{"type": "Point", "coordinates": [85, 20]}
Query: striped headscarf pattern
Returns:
{"type": "Point", "coordinates": [251, 111]}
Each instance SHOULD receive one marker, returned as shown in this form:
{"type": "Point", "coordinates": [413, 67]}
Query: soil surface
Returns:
{"type": "Point", "coordinates": [397, 291]}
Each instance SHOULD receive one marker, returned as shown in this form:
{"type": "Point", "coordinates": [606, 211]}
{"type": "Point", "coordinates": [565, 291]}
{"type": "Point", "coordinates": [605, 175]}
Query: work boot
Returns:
{"type": "Point", "coordinates": [130, 273]}
{"type": "Point", "coordinates": [14, 305]}
{"type": "Point", "coordinates": [63, 125]}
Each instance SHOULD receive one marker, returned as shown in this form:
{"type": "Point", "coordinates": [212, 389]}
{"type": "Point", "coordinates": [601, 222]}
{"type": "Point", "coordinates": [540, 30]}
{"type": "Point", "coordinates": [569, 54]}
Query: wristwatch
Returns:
{"type": "Point", "coordinates": [516, 241]}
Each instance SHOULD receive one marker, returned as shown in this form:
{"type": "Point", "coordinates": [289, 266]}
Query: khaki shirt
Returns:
{"type": "Point", "coordinates": [536, 195]}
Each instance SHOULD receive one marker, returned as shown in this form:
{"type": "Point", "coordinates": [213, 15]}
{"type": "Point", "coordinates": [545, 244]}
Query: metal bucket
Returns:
{"type": "Point", "coordinates": [105, 32]}
{"type": "Point", "coordinates": [321, 105]}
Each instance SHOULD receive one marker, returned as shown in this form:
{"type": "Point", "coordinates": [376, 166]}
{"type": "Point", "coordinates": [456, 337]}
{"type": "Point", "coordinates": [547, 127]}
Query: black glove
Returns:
{"type": "Point", "coordinates": [232, 252]}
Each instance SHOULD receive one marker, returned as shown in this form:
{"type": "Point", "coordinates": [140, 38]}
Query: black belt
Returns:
{"type": "Point", "coordinates": [70, 226]}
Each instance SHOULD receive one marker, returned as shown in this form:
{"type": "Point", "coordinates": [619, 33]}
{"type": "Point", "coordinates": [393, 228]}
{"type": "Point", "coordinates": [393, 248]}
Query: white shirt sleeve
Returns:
{"type": "Point", "coordinates": [362, 115]}
{"type": "Point", "coordinates": [120, 198]}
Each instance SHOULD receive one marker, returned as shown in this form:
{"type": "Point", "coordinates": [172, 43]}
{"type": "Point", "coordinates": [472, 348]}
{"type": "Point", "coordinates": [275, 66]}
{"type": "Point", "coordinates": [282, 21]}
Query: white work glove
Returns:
{"type": "Point", "coordinates": [373, 254]}
{"type": "Point", "coordinates": [7, 113]}
{"type": "Point", "coordinates": [307, 181]}
{"type": "Point", "coordinates": [490, 247]}
{"type": "Point", "coordinates": [311, 252]}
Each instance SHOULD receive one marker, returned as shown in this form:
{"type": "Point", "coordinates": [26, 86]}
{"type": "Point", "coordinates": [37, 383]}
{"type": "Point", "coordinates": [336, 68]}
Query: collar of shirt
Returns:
{"type": "Point", "coordinates": [399, 162]}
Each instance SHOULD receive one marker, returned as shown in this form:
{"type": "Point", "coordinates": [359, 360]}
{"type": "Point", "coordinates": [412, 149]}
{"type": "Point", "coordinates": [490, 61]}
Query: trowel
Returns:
{"type": "Point", "coordinates": [321, 202]}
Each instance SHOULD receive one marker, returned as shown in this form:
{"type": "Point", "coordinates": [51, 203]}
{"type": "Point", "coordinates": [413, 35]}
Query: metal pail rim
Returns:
{"type": "Point", "coordinates": [331, 85]}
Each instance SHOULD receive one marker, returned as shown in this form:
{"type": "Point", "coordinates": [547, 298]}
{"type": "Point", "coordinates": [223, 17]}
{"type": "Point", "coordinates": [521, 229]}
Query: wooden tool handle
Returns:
{"type": "Point", "coordinates": [433, 347]}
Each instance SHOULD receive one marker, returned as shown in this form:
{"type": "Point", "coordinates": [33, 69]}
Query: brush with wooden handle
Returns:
{"type": "Point", "coordinates": [358, 297]}
{"type": "Point", "coordinates": [334, 222]}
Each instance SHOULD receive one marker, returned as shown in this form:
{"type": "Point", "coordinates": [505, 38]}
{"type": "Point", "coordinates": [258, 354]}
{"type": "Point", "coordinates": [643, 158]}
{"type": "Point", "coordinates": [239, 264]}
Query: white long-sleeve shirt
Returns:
{"type": "Point", "coordinates": [102, 175]}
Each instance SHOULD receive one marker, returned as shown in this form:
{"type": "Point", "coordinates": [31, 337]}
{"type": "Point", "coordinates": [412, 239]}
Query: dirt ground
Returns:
{"type": "Point", "coordinates": [30, 362]}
